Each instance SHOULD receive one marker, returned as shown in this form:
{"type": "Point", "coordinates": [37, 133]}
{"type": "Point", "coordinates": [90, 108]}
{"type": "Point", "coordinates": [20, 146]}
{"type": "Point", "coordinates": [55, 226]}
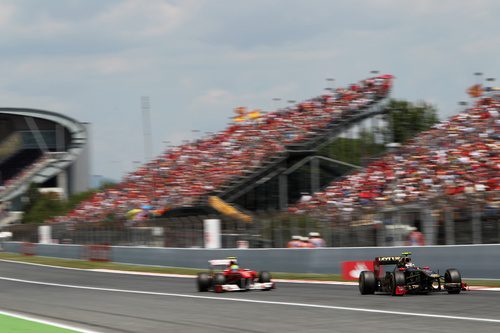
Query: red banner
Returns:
{"type": "Point", "coordinates": [98, 253]}
{"type": "Point", "coordinates": [28, 249]}
{"type": "Point", "coordinates": [352, 269]}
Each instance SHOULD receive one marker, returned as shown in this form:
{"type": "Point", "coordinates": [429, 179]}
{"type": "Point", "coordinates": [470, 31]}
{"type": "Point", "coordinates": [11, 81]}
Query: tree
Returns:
{"type": "Point", "coordinates": [43, 206]}
{"type": "Point", "coordinates": [407, 119]}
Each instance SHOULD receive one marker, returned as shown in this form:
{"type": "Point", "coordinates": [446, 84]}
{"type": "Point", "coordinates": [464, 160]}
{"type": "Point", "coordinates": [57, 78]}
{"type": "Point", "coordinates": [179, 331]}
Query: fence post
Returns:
{"type": "Point", "coordinates": [476, 224]}
{"type": "Point", "coordinates": [428, 223]}
{"type": "Point", "coordinates": [278, 231]}
{"type": "Point", "coordinates": [379, 225]}
{"type": "Point", "coordinates": [449, 226]}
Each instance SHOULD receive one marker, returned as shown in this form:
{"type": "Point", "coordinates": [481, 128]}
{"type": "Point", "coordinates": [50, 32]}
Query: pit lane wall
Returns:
{"type": "Point", "coordinates": [473, 261]}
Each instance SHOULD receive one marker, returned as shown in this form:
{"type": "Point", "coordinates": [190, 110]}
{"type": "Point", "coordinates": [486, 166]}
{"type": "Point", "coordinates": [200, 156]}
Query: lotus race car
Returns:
{"type": "Point", "coordinates": [407, 278]}
{"type": "Point", "coordinates": [226, 275]}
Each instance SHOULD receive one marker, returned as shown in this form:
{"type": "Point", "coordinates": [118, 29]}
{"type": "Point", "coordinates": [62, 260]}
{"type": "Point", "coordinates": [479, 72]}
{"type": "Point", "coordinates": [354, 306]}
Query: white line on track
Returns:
{"type": "Point", "coordinates": [224, 299]}
{"type": "Point", "coordinates": [44, 321]}
{"type": "Point", "coordinates": [112, 271]}
{"type": "Point", "coordinates": [183, 276]}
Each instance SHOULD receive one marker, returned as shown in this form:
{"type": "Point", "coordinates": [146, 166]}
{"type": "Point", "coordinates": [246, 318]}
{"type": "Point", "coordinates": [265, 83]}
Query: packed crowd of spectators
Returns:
{"type": "Point", "coordinates": [183, 174]}
{"type": "Point", "coordinates": [459, 156]}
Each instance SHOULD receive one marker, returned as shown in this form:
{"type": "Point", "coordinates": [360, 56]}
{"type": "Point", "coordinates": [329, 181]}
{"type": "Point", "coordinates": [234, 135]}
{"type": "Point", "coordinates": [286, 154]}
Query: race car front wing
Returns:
{"type": "Point", "coordinates": [255, 286]}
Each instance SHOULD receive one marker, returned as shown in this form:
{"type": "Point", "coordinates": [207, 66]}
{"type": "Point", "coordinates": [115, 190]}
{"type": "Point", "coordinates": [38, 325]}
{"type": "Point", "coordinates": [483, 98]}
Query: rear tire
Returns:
{"type": "Point", "coordinates": [367, 283]}
{"type": "Point", "coordinates": [264, 277]}
{"type": "Point", "coordinates": [452, 275]}
{"type": "Point", "coordinates": [397, 280]}
{"type": "Point", "coordinates": [203, 282]}
{"type": "Point", "coordinates": [219, 279]}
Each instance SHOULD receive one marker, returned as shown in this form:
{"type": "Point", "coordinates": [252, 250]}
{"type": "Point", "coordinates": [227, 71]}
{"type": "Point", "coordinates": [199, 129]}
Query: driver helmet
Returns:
{"type": "Point", "coordinates": [233, 264]}
{"type": "Point", "coordinates": [407, 262]}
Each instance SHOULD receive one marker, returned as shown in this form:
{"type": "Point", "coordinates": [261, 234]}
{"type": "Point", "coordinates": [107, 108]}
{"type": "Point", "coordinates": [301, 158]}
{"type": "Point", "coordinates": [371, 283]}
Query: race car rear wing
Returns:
{"type": "Point", "coordinates": [219, 262]}
{"type": "Point", "coordinates": [381, 261]}
{"type": "Point", "coordinates": [387, 260]}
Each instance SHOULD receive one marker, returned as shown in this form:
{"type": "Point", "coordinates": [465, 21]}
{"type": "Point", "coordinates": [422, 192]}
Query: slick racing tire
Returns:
{"type": "Point", "coordinates": [264, 277]}
{"type": "Point", "coordinates": [219, 279]}
{"type": "Point", "coordinates": [452, 275]}
{"type": "Point", "coordinates": [397, 279]}
{"type": "Point", "coordinates": [367, 283]}
{"type": "Point", "coordinates": [203, 281]}
{"type": "Point", "coordinates": [244, 284]}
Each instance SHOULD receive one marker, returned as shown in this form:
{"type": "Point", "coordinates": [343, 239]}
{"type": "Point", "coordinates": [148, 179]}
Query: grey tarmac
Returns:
{"type": "Point", "coordinates": [127, 303]}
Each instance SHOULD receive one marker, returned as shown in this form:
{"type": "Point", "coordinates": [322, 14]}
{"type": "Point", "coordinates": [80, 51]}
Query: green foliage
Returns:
{"type": "Point", "coordinates": [405, 120]}
{"type": "Point", "coordinates": [43, 206]}
{"type": "Point", "coordinates": [408, 119]}
{"type": "Point", "coordinates": [354, 151]}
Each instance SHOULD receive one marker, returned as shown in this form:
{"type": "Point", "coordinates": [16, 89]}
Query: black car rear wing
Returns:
{"type": "Point", "coordinates": [384, 261]}
{"type": "Point", "coordinates": [387, 260]}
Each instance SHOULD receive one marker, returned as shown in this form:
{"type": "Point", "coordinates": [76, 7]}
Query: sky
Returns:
{"type": "Point", "coordinates": [197, 60]}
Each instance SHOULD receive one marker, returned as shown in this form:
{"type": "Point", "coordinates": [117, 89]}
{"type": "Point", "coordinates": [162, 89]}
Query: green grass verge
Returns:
{"type": "Point", "coordinates": [179, 270]}
{"type": "Point", "coordinates": [17, 325]}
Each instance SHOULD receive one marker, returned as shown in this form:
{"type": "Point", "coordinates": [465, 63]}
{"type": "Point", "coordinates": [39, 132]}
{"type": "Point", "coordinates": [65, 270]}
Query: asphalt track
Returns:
{"type": "Point", "coordinates": [104, 302]}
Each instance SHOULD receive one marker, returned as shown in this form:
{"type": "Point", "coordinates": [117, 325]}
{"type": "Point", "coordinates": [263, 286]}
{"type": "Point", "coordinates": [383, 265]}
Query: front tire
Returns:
{"type": "Point", "coordinates": [264, 277]}
{"type": "Point", "coordinates": [367, 283]}
{"type": "Point", "coordinates": [452, 275]}
{"type": "Point", "coordinates": [244, 284]}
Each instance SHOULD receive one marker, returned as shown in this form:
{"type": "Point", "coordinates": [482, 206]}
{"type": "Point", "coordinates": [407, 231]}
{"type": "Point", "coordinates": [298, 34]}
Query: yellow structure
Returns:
{"type": "Point", "coordinates": [224, 208]}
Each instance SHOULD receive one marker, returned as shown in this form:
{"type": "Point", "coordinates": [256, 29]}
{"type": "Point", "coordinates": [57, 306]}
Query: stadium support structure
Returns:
{"type": "Point", "coordinates": [276, 184]}
{"type": "Point", "coordinates": [60, 145]}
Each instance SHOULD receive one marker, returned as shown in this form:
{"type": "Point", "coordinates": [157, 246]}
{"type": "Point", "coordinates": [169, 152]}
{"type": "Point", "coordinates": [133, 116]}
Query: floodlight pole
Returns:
{"type": "Point", "coordinates": [146, 127]}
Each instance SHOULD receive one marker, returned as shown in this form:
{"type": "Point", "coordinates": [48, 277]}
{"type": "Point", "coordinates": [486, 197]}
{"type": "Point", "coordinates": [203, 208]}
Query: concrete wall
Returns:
{"type": "Point", "coordinates": [474, 261]}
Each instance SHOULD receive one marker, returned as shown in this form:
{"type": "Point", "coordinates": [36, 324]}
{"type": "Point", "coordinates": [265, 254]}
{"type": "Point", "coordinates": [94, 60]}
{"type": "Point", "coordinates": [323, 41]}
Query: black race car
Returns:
{"type": "Point", "coordinates": [407, 278]}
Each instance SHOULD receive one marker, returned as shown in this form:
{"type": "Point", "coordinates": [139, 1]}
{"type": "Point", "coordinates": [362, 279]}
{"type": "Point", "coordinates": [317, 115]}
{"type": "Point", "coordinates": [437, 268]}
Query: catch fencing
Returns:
{"type": "Point", "coordinates": [466, 220]}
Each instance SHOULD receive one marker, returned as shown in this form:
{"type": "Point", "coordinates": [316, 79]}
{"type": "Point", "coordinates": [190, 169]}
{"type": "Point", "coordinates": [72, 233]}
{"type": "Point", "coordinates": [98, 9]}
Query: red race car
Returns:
{"type": "Point", "coordinates": [226, 275]}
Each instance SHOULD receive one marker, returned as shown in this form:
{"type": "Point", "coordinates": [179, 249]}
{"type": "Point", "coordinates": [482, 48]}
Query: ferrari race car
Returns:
{"type": "Point", "coordinates": [226, 275]}
{"type": "Point", "coordinates": [407, 278]}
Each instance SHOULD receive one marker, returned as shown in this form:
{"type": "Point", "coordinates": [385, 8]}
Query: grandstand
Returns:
{"type": "Point", "coordinates": [256, 150]}
{"type": "Point", "coordinates": [444, 182]}
{"type": "Point", "coordinates": [457, 156]}
{"type": "Point", "coordinates": [42, 147]}
{"type": "Point", "coordinates": [449, 172]}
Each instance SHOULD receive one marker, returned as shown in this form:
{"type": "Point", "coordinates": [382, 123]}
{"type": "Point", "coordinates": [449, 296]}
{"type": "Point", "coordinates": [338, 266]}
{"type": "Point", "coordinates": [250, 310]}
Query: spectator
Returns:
{"type": "Point", "coordinates": [415, 237]}
{"type": "Point", "coordinates": [306, 244]}
{"type": "Point", "coordinates": [315, 239]}
{"type": "Point", "coordinates": [184, 174]}
{"type": "Point", "coordinates": [456, 157]}
{"type": "Point", "coordinates": [296, 242]}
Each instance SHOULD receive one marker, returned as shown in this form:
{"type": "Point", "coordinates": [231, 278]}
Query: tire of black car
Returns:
{"type": "Point", "coordinates": [452, 275]}
{"type": "Point", "coordinates": [397, 279]}
{"type": "Point", "coordinates": [367, 282]}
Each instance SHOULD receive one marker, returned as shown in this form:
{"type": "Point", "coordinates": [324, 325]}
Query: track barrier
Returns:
{"type": "Point", "coordinates": [473, 261]}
